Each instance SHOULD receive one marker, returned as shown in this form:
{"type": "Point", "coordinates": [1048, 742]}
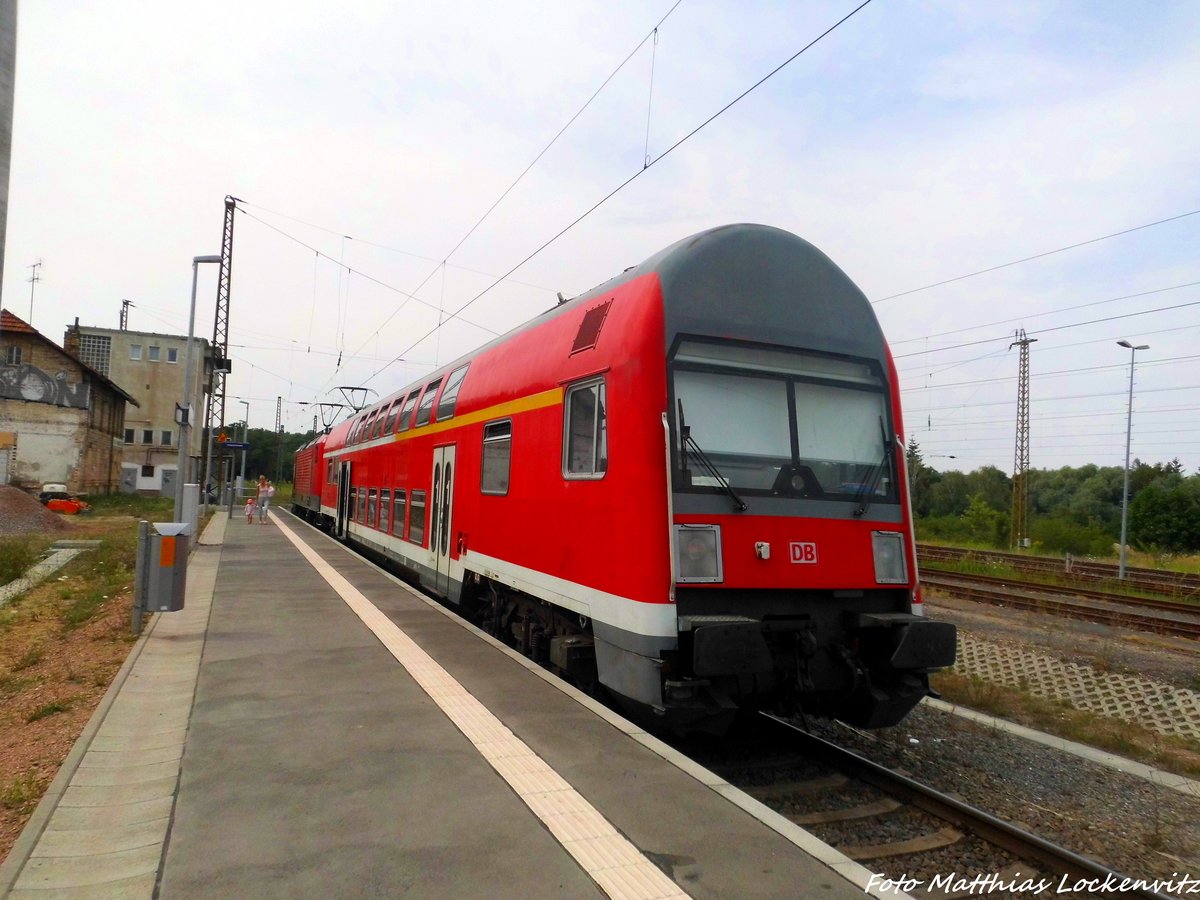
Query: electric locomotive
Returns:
{"type": "Point", "coordinates": [686, 486]}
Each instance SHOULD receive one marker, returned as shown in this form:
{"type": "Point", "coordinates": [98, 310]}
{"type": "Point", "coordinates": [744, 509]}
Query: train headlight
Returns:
{"type": "Point", "coordinates": [888, 550]}
{"type": "Point", "coordinates": [698, 553]}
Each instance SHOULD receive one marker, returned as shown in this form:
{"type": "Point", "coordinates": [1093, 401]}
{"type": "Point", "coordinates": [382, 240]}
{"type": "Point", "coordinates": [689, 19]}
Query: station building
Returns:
{"type": "Point", "coordinates": [61, 419]}
{"type": "Point", "coordinates": [149, 367]}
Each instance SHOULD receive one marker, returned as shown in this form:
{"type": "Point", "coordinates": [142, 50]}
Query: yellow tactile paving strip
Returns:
{"type": "Point", "coordinates": [615, 864]}
{"type": "Point", "coordinates": [1162, 707]}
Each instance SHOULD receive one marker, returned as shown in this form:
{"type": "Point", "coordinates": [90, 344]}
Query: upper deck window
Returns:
{"type": "Point", "coordinates": [407, 410]}
{"type": "Point", "coordinates": [393, 411]}
{"type": "Point", "coordinates": [445, 407]}
{"type": "Point", "coordinates": [425, 410]}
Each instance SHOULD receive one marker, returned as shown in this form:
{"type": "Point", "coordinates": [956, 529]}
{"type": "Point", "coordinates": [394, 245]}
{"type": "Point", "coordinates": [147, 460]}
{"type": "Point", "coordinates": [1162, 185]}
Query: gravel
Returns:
{"type": "Point", "coordinates": [22, 514]}
{"type": "Point", "coordinates": [1124, 822]}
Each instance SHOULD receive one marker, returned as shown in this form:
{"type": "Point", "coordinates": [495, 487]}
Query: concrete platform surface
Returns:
{"type": "Point", "coordinates": [309, 726]}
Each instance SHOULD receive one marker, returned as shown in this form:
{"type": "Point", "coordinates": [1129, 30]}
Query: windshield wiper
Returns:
{"type": "Point", "coordinates": [685, 441]}
{"type": "Point", "coordinates": [868, 488]}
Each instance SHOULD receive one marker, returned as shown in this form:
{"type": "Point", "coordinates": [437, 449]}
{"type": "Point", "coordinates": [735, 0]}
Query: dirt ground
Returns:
{"type": "Point", "coordinates": [54, 670]}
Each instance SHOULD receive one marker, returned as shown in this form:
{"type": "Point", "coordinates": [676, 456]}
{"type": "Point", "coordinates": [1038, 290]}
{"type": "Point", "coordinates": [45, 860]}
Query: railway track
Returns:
{"type": "Point", "coordinates": [1158, 616]}
{"type": "Point", "coordinates": [1180, 585]}
{"type": "Point", "coordinates": [900, 828]}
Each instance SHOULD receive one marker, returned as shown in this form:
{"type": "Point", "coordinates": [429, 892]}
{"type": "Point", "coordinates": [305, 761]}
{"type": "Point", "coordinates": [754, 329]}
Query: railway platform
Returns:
{"type": "Point", "coordinates": [309, 726]}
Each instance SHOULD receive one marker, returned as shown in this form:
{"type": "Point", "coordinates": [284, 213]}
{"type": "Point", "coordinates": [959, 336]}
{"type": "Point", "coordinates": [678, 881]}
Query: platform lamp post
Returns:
{"type": "Point", "coordinates": [185, 411]}
{"type": "Point", "coordinates": [1128, 432]}
{"type": "Point", "coordinates": [245, 438]}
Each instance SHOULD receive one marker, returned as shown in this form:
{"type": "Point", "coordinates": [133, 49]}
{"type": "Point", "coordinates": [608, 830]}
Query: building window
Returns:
{"type": "Point", "coordinates": [12, 356]}
{"type": "Point", "coordinates": [585, 443]}
{"type": "Point", "coordinates": [147, 436]}
{"type": "Point", "coordinates": [172, 354]}
{"type": "Point", "coordinates": [147, 471]}
{"type": "Point", "coordinates": [166, 438]}
{"type": "Point", "coordinates": [497, 455]}
{"type": "Point", "coordinates": [416, 518]}
{"type": "Point", "coordinates": [129, 435]}
{"type": "Point", "coordinates": [94, 350]}
{"type": "Point", "coordinates": [153, 353]}
{"type": "Point", "coordinates": [135, 351]}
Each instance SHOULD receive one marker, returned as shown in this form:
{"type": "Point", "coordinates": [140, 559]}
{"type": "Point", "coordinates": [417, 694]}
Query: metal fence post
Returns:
{"type": "Point", "coordinates": [139, 575]}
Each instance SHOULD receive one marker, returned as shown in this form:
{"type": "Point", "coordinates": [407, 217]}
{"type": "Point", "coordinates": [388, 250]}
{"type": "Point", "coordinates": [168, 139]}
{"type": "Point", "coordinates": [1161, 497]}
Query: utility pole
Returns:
{"type": "Point", "coordinates": [34, 278]}
{"type": "Point", "coordinates": [279, 438]}
{"type": "Point", "coordinates": [215, 420]}
{"type": "Point", "coordinates": [125, 304]}
{"type": "Point", "coordinates": [1019, 533]}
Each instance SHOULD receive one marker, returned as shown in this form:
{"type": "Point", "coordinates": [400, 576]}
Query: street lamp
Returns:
{"type": "Point", "coordinates": [185, 411]}
{"type": "Point", "coordinates": [1128, 431]}
{"type": "Point", "coordinates": [245, 437]}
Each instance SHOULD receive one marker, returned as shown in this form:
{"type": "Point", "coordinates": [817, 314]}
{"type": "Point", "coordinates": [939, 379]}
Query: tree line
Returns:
{"type": "Point", "coordinates": [1072, 509]}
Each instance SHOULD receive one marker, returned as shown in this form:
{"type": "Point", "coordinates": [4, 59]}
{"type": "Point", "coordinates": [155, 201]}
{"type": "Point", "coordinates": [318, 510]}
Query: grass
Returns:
{"type": "Point", "coordinates": [1059, 718]}
{"type": "Point", "coordinates": [18, 554]}
{"type": "Point", "coordinates": [20, 794]}
{"type": "Point", "coordinates": [153, 509]}
{"type": "Point", "coordinates": [50, 709]}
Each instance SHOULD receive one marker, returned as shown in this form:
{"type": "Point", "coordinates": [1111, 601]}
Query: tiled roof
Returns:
{"type": "Point", "coordinates": [9, 322]}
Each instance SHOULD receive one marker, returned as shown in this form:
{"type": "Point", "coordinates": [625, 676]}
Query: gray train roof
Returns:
{"type": "Point", "coordinates": [762, 284]}
{"type": "Point", "coordinates": [746, 282]}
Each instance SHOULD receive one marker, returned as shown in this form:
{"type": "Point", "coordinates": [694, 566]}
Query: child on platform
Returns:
{"type": "Point", "coordinates": [249, 510]}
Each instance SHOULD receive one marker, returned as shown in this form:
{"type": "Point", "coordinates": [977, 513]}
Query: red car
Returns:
{"type": "Point", "coordinates": [62, 502]}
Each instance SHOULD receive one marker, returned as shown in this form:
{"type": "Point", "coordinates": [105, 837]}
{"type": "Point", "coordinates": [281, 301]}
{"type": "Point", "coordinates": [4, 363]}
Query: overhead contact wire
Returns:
{"type": "Point", "coordinates": [642, 171]}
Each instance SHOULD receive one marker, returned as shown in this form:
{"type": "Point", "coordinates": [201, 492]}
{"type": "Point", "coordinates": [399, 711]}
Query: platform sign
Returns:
{"type": "Point", "coordinates": [237, 445]}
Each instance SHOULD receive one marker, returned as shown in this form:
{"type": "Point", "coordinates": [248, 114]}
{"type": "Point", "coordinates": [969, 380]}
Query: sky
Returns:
{"type": "Point", "coordinates": [918, 142]}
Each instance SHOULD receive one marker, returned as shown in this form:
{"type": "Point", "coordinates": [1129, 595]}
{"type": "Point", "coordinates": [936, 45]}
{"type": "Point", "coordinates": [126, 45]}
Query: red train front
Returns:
{"type": "Point", "coordinates": [686, 486]}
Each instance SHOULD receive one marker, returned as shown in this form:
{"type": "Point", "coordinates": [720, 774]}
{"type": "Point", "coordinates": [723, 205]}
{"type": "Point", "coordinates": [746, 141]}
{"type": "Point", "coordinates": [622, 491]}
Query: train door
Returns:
{"type": "Point", "coordinates": [439, 518]}
{"type": "Point", "coordinates": [343, 499]}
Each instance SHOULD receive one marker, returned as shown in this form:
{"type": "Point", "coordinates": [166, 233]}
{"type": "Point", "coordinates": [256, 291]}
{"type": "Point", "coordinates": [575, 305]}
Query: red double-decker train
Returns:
{"type": "Point", "coordinates": [686, 486]}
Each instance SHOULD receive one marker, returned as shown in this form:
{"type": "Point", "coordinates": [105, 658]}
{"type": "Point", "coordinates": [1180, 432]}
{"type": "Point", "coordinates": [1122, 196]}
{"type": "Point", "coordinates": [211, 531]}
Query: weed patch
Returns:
{"type": "Point", "coordinates": [20, 794]}
{"type": "Point", "coordinates": [50, 709]}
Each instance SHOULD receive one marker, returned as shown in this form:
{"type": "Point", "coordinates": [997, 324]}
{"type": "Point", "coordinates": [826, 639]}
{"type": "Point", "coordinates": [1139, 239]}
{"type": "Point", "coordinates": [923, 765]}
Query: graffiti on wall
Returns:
{"type": "Point", "coordinates": [31, 383]}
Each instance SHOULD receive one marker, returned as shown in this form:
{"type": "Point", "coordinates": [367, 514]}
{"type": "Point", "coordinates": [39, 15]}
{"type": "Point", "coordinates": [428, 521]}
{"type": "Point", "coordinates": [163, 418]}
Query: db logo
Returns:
{"type": "Point", "coordinates": [804, 552]}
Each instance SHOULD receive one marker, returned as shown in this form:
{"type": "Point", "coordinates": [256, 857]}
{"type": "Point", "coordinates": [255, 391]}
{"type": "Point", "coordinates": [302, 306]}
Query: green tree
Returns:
{"type": "Point", "coordinates": [1166, 515]}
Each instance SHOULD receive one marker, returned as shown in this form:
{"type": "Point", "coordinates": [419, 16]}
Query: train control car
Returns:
{"type": "Point", "coordinates": [686, 486]}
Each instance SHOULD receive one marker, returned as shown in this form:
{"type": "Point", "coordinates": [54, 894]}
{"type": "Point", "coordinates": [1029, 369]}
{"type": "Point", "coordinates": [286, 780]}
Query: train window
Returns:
{"type": "Point", "coordinates": [425, 410]}
{"type": "Point", "coordinates": [362, 503]}
{"type": "Point", "coordinates": [407, 411]}
{"type": "Point", "coordinates": [330, 477]}
{"type": "Point", "coordinates": [376, 421]}
{"type": "Point", "coordinates": [398, 511]}
{"type": "Point", "coordinates": [371, 507]}
{"type": "Point", "coordinates": [585, 442]}
{"type": "Point", "coordinates": [445, 407]}
{"type": "Point", "coordinates": [385, 509]}
{"type": "Point", "coordinates": [779, 423]}
{"type": "Point", "coordinates": [416, 518]}
{"type": "Point", "coordinates": [391, 417]}
{"type": "Point", "coordinates": [497, 457]}
{"type": "Point", "coordinates": [350, 513]}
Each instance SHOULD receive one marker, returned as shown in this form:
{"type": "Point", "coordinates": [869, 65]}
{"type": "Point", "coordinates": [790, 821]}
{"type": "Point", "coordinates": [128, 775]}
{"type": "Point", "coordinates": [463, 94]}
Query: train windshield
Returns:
{"type": "Point", "coordinates": [780, 423]}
